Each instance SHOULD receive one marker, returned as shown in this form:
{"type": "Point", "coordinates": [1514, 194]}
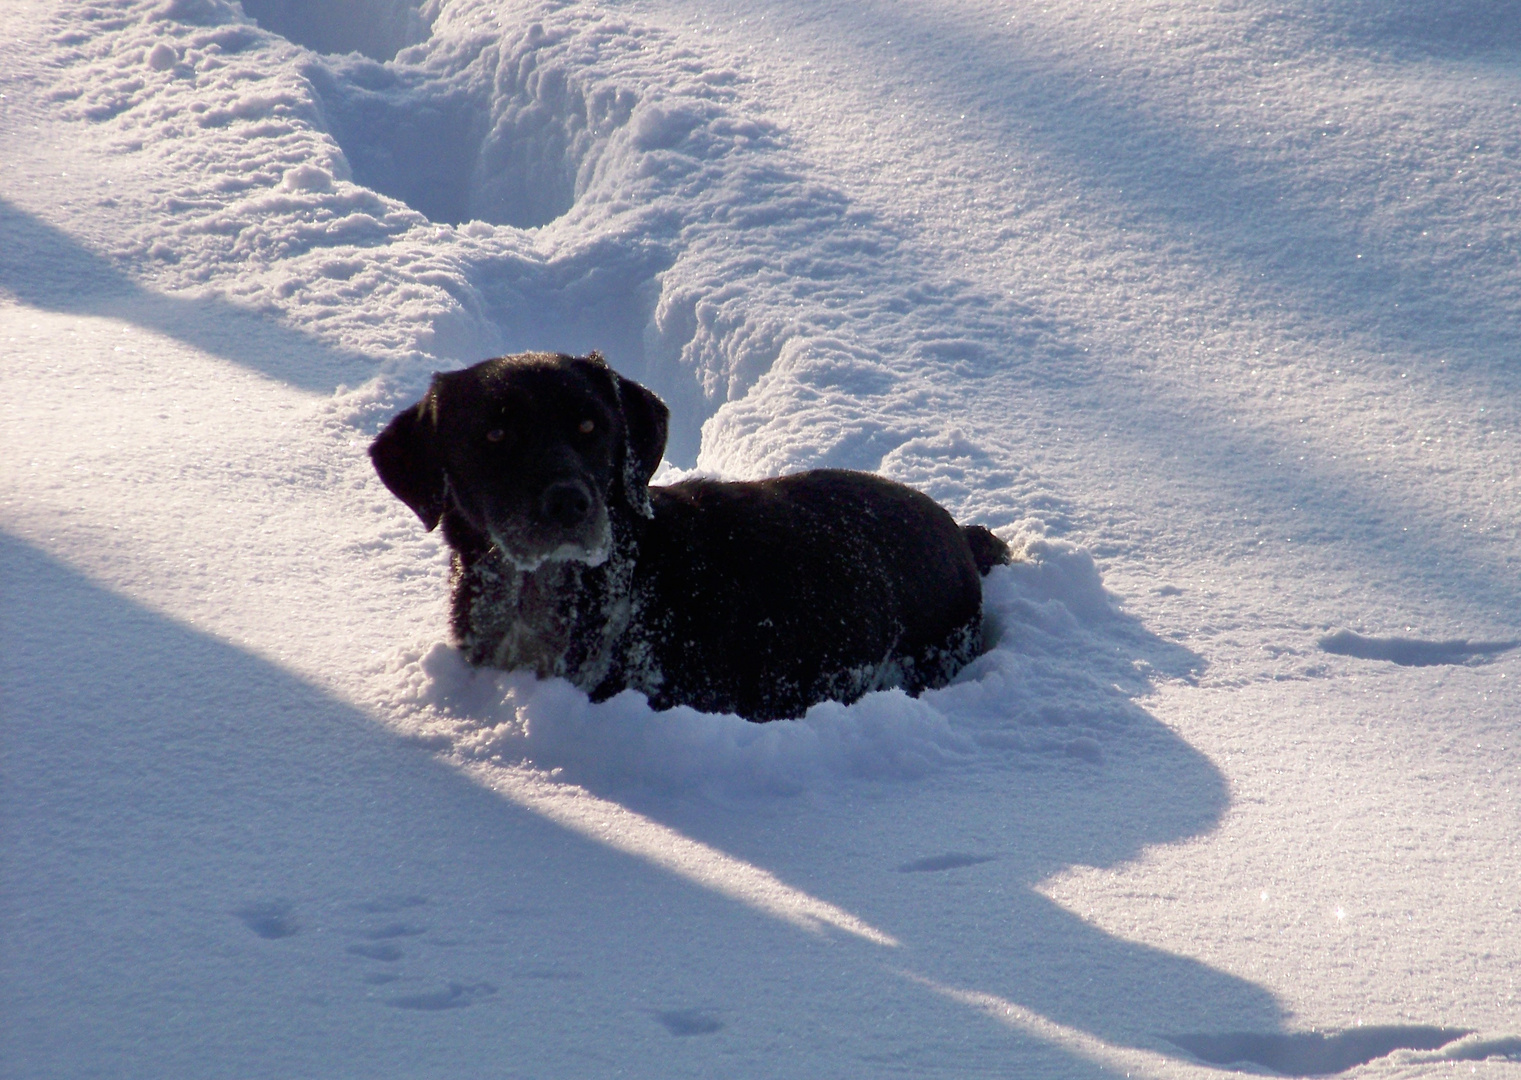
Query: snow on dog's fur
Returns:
{"type": "Point", "coordinates": [758, 598]}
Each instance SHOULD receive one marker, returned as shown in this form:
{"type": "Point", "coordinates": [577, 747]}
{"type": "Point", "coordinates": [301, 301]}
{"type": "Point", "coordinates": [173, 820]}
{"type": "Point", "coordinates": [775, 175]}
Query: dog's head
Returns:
{"type": "Point", "coordinates": [533, 451]}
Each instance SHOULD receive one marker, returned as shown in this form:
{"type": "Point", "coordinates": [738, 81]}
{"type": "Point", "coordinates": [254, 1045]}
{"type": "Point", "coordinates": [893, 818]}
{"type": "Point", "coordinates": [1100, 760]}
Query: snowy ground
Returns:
{"type": "Point", "coordinates": [1213, 309]}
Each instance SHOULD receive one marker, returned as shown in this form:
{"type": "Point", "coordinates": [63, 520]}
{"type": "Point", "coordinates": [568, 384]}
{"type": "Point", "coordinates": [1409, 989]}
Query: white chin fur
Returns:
{"type": "Point", "coordinates": [594, 556]}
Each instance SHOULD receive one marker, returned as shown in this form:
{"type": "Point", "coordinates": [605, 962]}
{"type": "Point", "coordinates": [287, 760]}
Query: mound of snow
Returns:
{"type": "Point", "coordinates": [1063, 666]}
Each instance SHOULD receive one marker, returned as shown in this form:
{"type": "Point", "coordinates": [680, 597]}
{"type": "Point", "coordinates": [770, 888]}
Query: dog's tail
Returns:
{"type": "Point", "coordinates": [987, 549]}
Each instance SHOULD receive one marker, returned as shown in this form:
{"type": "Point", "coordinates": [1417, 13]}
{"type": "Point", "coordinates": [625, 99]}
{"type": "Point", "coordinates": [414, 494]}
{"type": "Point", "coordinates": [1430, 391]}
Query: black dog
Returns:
{"type": "Point", "coordinates": [756, 598]}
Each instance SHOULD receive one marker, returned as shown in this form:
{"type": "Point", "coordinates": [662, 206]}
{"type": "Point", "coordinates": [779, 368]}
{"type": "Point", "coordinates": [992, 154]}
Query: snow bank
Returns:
{"type": "Point", "coordinates": [432, 184]}
{"type": "Point", "coordinates": [1058, 679]}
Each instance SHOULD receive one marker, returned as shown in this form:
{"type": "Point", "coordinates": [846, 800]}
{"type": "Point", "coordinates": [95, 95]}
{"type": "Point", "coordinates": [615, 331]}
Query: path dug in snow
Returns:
{"type": "Point", "coordinates": [1212, 307]}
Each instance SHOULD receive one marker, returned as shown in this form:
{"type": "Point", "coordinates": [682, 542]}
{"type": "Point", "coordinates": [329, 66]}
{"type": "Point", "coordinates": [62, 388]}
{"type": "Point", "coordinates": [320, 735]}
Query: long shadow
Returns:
{"type": "Point", "coordinates": [955, 867]}
{"type": "Point", "coordinates": [199, 848]}
{"type": "Point", "coordinates": [952, 867]}
{"type": "Point", "coordinates": [44, 267]}
{"type": "Point", "coordinates": [210, 865]}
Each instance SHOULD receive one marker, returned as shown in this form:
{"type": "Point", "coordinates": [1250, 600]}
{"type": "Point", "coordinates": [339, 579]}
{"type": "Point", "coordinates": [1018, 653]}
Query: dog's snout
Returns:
{"type": "Point", "coordinates": [566, 503]}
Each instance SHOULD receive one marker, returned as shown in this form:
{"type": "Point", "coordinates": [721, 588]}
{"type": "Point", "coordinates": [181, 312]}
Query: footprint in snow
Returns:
{"type": "Point", "coordinates": [393, 930]}
{"type": "Point", "coordinates": [1411, 652]}
{"type": "Point", "coordinates": [951, 860]}
{"type": "Point", "coordinates": [269, 918]}
{"type": "Point", "coordinates": [378, 941]}
{"type": "Point", "coordinates": [387, 953]}
{"type": "Point", "coordinates": [389, 905]}
{"type": "Point", "coordinates": [683, 1022]}
{"type": "Point", "coordinates": [453, 996]}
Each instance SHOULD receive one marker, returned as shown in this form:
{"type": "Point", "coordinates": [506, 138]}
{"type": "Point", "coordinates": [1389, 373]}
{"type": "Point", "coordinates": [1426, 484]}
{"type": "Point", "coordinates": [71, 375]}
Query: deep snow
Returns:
{"type": "Point", "coordinates": [1212, 310]}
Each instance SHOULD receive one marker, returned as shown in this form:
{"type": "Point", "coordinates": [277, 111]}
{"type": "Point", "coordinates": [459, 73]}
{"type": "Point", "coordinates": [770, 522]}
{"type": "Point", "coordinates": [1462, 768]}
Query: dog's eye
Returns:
{"type": "Point", "coordinates": [587, 427]}
{"type": "Point", "coordinates": [496, 434]}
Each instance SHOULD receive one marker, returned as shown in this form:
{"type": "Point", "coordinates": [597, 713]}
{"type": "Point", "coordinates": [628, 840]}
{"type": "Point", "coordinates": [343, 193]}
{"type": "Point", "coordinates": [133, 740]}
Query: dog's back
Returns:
{"type": "Point", "coordinates": [765, 597]}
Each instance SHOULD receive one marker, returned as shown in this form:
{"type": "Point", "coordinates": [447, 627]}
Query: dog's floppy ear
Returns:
{"type": "Point", "coordinates": [645, 422]}
{"type": "Point", "coordinates": [406, 457]}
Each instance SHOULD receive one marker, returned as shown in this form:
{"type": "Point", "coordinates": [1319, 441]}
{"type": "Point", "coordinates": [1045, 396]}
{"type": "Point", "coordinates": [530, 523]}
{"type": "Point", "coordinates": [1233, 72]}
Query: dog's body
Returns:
{"type": "Point", "coordinates": [757, 598]}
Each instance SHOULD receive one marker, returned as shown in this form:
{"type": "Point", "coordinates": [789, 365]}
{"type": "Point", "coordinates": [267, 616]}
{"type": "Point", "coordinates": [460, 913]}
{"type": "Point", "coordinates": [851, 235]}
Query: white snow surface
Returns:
{"type": "Point", "coordinates": [1212, 310]}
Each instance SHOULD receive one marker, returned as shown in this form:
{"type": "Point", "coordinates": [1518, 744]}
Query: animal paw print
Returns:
{"type": "Point", "coordinates": [269, 919]}
{"type": "Point", "coordinates": [453, 996]}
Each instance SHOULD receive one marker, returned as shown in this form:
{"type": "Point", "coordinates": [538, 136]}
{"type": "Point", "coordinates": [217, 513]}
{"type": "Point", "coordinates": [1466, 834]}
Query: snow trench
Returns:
{"type": "Point", "coordinates": [512, 138]}
{"type": "Point", "coordinates": [580, 198]}
{"type": "Point", "coordinates": [378, 29]}
{"type": "Point", "coordinates": [431, 184]}
{"type": "Point", "coordinates": [524, 176]}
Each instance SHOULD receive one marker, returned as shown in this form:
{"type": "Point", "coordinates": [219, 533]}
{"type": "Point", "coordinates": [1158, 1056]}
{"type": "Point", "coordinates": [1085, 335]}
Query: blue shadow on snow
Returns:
{"type": "Point", "coordinates": [45, 267]}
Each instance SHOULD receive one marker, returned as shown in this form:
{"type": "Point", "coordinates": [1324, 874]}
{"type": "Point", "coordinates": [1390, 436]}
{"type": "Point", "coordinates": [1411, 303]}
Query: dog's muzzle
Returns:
{"type": "Point", "coordinates": [566, 503]}
{"type": "Point", "coordinates": [566, 523]}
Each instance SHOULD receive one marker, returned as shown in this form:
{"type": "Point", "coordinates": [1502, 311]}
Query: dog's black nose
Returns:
{"type": "Point", "coordinates": [566, 503]}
